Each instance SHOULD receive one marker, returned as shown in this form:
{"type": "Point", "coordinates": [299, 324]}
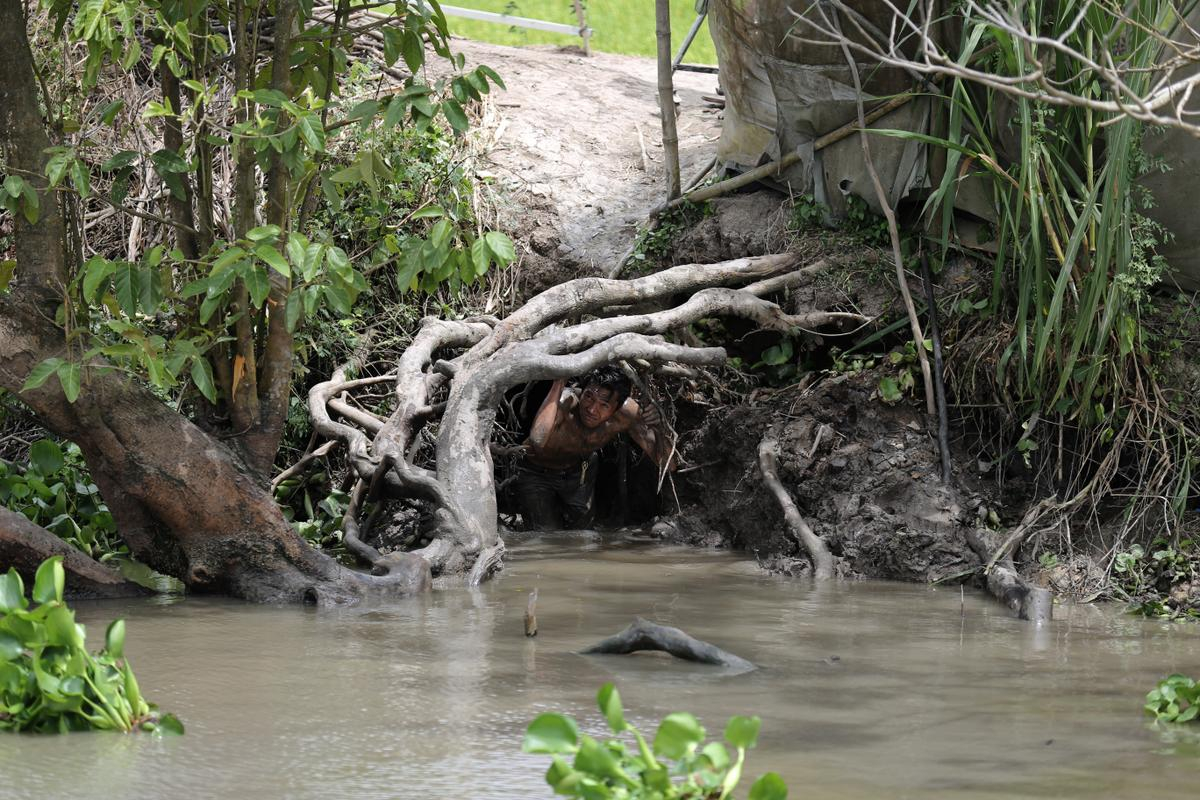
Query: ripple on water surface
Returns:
{"type": "Point", "coordinates": [867, 690]}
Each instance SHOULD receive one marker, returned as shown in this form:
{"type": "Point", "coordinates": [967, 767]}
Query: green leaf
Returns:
{"type": "Point", "coordinates": [273, 259]}
{"type": "Point", "coordinates": [46, 457]}
{"type": "Point", "coordinates": [395, 112]}
{"type": "Point", "coordinates": [257, 284]}
{"type": "Point", "coordinates": [202, 376]}
{"type": "Point", "coordinates": [114, 639]}
{"type": "Point", "coordinates": [441, 232]}
{"type": "Point", "coordinates": [169, 724]}
{"type": "Point", "coordinates": [263, 233]}
{"type": "Point", "coordinates": [110, 112]}
{"type": "Point", "coordinates": [41, 373]}
{"type": "Point", "coordinates": [558, 772]}
{"type": "Point", "coordinates": [501, 247]}
{"type": "Point", "coordinates": [337, 297]}
{"type": "Point", "coordinates": [481, 256]}
{"type": "Point", "coordinates": [596, 759]}
{"type": "Point", "coordinates": [337, 259]}
{"type": "Point", "coordinates": [312, 132]}
{"type": "Point", "coordinates": [61, 629]}
{"type": "Point", "coordinates": [429, 212]}
{"type": "Point", "coordinates": [743, 731]}
{"type": "Point", "coordinates": [413, 50]}
{"type": "Point", "coordinates": [210, 305]}
{"type": "Point", "coordinates": [393, 39]}
{"type": "Point", "coordinates": [125, 286]}
{"type": "Point", "coordinates": [364, 110]}
{"type": "Point", "coordinates": [293, 310]}
{"type": "Point", "coordinates": [769, 787]}
{"type": "Point", "coordinates": [492, 75]}
{"type": "Point", "coordinates": [7, 268]}
{"type": "Point", "coordinates": [68, 376]}
{"type": "Point", "coordinates": [297, 250]}
{"type": "Point", "coordinates": [80, 178]}
{"type": "Point", "coordinates": [677, 735]}
{"type": "Point", "coordinates": [609, 700]}
{"type": "Point", "coordinates": [10, 646]}
{"type": "Point", "coordinates": [94, 274]}
{"type": "Point", "coordinates": [133, 692]}
{"type": "Point", "coordinates": [717, 755]}
{"type": "Point", "coordinates": [455, 115]}
{"type": "Point", "coordinates": [551, 733]}
{"type": "Point", "coordinates": [889, 389]}
{"type": "Point", "coordinates": [12, 591]}
{"type": "Point", "coordinates": [49, 580]}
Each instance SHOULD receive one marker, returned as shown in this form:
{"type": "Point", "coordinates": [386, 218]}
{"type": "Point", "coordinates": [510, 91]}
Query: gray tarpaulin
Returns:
{"type": "Point", "coordinates": [782, 94]}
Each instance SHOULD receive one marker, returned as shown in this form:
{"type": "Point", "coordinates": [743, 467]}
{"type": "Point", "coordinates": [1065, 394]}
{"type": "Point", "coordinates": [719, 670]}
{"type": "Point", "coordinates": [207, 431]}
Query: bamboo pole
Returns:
{"type": "Point", "coordinates": [585, 32]}
{"type": "Point", "coordinates": [666, 98]}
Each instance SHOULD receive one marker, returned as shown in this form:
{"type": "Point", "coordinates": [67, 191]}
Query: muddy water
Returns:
{"type": "Point", "coordinates": [868, 690]}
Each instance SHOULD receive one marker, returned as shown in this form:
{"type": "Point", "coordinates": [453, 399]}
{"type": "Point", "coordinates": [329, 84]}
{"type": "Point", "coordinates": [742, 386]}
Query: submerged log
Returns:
{"type": "Point", "coordinates": [1030, 602]}
{"type": "Point", "coordinates": [645, 635]}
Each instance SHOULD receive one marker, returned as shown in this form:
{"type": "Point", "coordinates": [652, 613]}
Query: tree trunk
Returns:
{"type": "Point", "coordinates": [182, 500]}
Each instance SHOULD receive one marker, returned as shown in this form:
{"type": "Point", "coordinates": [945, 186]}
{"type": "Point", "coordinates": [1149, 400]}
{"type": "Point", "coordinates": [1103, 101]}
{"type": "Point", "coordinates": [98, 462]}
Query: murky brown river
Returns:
{"type": "Point", "coordinates": [429, 698]}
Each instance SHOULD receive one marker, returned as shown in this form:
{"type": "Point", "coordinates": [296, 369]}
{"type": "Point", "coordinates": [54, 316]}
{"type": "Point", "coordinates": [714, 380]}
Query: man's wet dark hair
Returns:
{"type": "Point", "coordinates": [608, 377]}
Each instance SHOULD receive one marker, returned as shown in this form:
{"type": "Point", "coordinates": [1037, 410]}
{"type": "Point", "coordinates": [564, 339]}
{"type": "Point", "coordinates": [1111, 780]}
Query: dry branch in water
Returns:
{"type": "Point", "coordinates": [456, 372]}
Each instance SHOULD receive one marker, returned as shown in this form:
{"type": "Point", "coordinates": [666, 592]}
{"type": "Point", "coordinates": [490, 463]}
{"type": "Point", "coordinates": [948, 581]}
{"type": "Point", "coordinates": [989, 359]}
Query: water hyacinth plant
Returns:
{"type": "Point", "coordinates": [677, 766]}
{"type": "Point", "coordinates": [49, 683]}
{"type": "Point", "coordinates": [1175, 699]}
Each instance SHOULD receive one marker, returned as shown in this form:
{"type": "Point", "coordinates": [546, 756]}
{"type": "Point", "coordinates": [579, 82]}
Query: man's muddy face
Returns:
{"type": "Point", "coordinates": [596, 406]}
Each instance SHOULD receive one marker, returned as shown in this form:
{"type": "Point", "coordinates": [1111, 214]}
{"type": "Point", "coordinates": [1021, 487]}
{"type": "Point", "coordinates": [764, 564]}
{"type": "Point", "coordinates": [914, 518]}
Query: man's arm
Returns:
{"type": "Point", "coordinates": [547, 415]}
{"type": "Point", "coordinates": [648, 432]}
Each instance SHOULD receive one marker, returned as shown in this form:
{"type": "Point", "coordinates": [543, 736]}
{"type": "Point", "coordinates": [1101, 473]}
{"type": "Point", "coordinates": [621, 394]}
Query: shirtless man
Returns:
{"type": "Point", "coordinates": [557, 478]}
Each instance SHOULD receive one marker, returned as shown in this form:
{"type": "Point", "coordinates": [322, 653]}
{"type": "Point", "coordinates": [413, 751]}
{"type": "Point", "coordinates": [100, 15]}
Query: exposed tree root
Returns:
{"type": "Point", "coordinates": [24, 546]}
{"type": "Point", "coordinates": [456, 373]}
{"type": "Point", "coordinates": [645, 635]}
{"type": "Point", "coordinates": [822, 560]}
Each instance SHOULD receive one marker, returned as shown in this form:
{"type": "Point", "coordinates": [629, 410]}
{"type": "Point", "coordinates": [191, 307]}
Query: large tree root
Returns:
{"type": "Point", "coordinates": [457, 372]}
{"type": "Point", "coordinates": [645, 635]}
{"type": "Point", "coordinates": [24, 546]}
{"type": "Point", "coordinates": [822, 560]}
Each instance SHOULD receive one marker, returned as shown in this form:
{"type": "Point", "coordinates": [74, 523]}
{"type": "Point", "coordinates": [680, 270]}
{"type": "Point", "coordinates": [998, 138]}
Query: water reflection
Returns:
{"type": "Point", "coordinates": [867, 690]}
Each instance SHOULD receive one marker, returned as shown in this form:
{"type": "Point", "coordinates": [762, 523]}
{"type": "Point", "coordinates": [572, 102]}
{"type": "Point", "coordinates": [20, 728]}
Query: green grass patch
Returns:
{"type": "Point", "coordinates": [619, 26]}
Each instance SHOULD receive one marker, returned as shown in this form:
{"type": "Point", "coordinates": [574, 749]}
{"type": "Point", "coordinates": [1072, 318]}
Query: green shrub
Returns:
{"type": "Point", "coordinates": [56, 492]}
{"type": "Point", "coordinates": [49, 682]}
{"type": "Point", "coordinates": [1175, 699]}
{"type": "Point", "coordinates": [678, 766]}
{"type": "Point", "coordinates": [1162, 582]}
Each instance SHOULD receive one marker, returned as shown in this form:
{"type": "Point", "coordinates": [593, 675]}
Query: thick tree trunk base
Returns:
{"type": "Point", "coordinates": [645, 635]}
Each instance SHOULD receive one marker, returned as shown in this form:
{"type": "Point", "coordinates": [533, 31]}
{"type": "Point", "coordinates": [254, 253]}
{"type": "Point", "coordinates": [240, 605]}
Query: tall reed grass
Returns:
{"type": "Point", "coordinates": [1074, 256]}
